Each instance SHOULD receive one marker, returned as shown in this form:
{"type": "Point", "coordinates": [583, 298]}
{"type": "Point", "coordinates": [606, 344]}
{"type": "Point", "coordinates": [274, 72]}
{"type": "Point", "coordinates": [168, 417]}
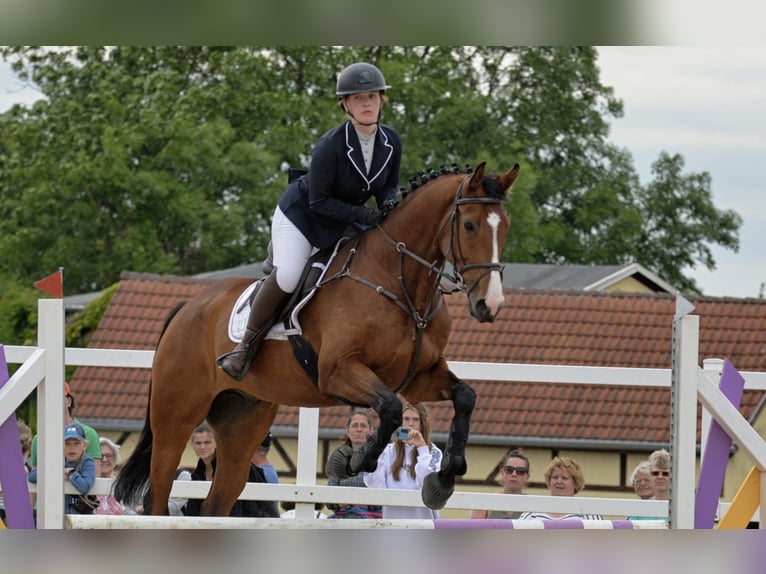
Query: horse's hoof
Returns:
{"type": "Point", "coordinates": [434, 495]}
{"type": "Point", "coordinates": [337, 463]}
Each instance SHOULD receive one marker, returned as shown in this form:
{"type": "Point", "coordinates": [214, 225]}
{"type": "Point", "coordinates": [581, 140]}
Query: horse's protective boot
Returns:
{"type": "Point", "coordinates": [266, 306]}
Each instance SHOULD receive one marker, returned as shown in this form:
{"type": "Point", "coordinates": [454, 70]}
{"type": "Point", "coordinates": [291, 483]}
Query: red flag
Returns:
{"type": "Point", "coordinates": [53, 284]}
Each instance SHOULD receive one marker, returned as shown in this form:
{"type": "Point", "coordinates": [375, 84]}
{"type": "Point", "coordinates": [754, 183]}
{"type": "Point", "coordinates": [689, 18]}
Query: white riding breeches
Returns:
{"type": "Point", "coordinates": [291, 251]}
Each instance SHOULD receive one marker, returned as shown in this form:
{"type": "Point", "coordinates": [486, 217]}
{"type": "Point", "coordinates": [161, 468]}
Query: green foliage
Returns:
{"type": "Point", "coordinates": [18, 313]}
{"type": "Point", "coordinates": [170, 159]}
{"type": "Point", "coordinates": [80, 329]}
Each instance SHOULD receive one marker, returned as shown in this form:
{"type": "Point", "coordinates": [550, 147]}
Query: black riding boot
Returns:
{"type": "Point", "coordinates": [266, 305]}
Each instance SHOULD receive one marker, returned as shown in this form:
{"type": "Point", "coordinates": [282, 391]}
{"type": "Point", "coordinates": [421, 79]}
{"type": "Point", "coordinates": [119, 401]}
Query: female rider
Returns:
{"type": "Point", "coordinates": [352, 162]}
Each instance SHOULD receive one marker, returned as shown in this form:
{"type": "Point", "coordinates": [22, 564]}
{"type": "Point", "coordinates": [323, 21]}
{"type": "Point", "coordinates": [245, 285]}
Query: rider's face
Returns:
{"type": "Point", "coordinates": [364, 107]}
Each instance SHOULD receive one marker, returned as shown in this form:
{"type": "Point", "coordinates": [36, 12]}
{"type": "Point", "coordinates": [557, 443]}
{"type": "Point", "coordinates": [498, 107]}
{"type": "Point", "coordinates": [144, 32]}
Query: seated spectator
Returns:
{"type": "Point", "coordinates": [515, 476]}
{"type": "Point", "coordinates": [659, 462]}
{"type": "Point", "coordinates": [358, 427]}
{"type": "Point", "coordinates": [110, 456]}
{"type": "Point", "coordinates": [641, 479]}
{"type": "Point", "coordinates": [203, 443]}
{"type": "Point", "coordinates": [564, 477]}
{"type": "Point", "coordinates": [176, 504]}
{"type": "Point", "coordinates": [643, 486]}
{"type": "Point", "coordinates": [261, 460]}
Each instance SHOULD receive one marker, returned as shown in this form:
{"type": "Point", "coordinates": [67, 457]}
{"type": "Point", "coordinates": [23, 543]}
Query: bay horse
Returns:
{"type": "Point", "coordinates": [378, 327]}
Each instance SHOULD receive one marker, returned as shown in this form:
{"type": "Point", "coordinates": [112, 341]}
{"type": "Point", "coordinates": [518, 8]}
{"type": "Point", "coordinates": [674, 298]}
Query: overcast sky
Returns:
{"type": "Point", "coordinates": [706, 103]}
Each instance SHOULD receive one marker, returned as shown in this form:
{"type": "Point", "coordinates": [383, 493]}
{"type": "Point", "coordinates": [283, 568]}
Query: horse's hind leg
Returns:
{"type": "Point", "coordinates": [240, 422]}
{"type": "Point", "coordinates": [173, 420]}
{"type": "Point", "coordinates": [169, 443]}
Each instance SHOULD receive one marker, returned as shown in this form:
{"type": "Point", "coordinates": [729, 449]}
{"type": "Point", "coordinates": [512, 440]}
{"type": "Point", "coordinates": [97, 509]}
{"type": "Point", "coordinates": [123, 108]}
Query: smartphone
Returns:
{"type": "Point", "coordinates": [402, 433]}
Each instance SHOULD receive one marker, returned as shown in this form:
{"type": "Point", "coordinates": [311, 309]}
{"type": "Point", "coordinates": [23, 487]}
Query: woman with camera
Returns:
{"type": "Point", "coordinates": [406, 461]}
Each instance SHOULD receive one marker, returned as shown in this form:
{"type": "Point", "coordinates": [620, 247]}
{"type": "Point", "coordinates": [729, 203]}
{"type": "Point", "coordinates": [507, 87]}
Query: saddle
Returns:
{"type": "Point", "coordinates": [286, 325]}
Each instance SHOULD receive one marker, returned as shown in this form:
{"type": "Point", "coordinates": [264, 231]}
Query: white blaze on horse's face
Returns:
{"type": "Point", "coordinates": [494, 297]}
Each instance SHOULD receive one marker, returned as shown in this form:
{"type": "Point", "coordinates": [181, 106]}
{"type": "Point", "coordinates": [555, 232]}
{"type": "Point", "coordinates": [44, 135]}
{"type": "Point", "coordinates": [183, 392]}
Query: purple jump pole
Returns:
{"type": "Point", "coordinates": [493, 523]}
{"type": "Point", "coordinates": [18, 507]}
{"type": "Point", "coordinates": [716, 455]}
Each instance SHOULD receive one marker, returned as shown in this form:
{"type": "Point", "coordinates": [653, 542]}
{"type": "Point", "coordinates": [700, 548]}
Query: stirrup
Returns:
{"type": "Point", "coordinates": [239, 375]}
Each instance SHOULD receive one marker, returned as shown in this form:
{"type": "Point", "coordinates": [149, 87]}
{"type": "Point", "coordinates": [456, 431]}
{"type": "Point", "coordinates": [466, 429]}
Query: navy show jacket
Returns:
{"type": "Point", "coordinates": [333, 194]}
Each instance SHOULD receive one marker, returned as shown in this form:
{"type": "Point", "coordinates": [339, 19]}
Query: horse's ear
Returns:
{"type": "Point", "coordinates": [507, 179]}
{"type": "Point", "coordinates": [476, 178]}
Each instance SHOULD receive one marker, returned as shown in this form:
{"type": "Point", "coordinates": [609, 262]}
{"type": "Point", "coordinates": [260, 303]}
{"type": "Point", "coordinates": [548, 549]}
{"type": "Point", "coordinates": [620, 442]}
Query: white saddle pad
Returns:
{"type": "Point", "coordinates": [241, 312]}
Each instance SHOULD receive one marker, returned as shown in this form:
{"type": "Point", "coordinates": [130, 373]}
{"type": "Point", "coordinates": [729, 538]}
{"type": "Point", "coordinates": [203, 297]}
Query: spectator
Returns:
{"type": "Point", "coordinates": [405, 463]}
{"type": "Point", "coordinates": [94, 447]}
{"type": "Point", "coordinates": [358, 427]}
{"type": "Point", "coordinates": [659, 462]}
{"type": "Point", "coordinates": [564, 477]}
{"type": "Point", "coordinates": [79, 469]}
{"type": "Point", "coordinates": [177, 504]}
{"type": "Point", "coordinates": [643, 486]}
{"type": "Point", "coordinates": [110, 456]}
{"type": "Point", "coordinates": [515, 475]}
{"type": "Point", "coordinates": [203, 443]}
{"type": "Point", "coordinates": [261, 459]}
{"type": "Point", "coordinates": [641, 479]}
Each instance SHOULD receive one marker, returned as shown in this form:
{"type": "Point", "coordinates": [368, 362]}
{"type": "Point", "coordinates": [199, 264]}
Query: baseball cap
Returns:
{"type": "Point", "coordinates": [74, 431]}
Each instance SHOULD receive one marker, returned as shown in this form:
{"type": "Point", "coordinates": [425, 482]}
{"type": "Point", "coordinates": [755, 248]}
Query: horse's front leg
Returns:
{"type": "Point", "coordinates": [439, 486]}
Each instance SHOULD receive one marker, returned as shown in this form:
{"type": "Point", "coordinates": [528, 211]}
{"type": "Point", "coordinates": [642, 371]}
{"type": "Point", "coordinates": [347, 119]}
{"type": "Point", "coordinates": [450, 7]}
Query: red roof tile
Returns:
{"type": "Point", "coordinates": [536, 327]}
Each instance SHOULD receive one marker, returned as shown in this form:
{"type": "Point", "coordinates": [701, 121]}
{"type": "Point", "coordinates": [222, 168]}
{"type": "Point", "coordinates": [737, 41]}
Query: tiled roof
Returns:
{"type": "Point", "coordinates": [536, 327]}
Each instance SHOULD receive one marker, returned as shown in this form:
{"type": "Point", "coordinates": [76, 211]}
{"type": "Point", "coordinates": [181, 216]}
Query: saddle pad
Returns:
{"type": "Point", "coordinates": [241, 312]}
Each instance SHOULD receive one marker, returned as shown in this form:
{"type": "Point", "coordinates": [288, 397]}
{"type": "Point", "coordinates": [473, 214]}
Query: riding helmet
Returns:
{"type": "Point", "coordinates": [360, 77]}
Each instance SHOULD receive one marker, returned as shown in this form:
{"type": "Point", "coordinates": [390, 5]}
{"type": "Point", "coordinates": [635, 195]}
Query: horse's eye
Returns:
{"type": "Point", "coordinates": [469, 226]}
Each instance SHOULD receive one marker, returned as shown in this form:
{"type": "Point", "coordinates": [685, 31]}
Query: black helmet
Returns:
{"type": "Point", "coordinates": [360, 77]}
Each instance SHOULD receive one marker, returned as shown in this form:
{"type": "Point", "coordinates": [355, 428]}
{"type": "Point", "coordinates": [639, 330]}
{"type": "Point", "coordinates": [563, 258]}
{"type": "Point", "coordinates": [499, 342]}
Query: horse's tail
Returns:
{"type": "Point", "coordinates": [131, 487]}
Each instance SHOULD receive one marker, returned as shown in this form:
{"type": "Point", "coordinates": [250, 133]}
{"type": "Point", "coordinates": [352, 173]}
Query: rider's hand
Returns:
{"type": "Point", "coordinates": [370, 217]}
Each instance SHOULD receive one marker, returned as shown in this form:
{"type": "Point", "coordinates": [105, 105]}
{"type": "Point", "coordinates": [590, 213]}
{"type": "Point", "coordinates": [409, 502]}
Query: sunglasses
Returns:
{"type": "Point", "coordinates": [660, 473]}
{"type": "Point", "coordinates": [520, 470]}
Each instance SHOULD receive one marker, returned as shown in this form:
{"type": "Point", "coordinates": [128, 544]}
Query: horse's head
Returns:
{"type": "Point", "coordinates": [474, 244]}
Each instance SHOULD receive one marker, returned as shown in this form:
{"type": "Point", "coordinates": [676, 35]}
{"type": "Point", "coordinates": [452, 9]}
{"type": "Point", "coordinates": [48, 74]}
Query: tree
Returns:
{"type": "Point", "coordinates": [170, 159]}
{"type": "Point", "coordinates": [680, 220]}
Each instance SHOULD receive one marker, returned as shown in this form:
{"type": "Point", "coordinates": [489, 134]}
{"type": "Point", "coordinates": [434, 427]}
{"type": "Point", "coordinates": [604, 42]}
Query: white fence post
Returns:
{"type": "Point", "coordinates": [308, 419]}
{"type": "Point", "coordinates": [50, 416]}
{"type": "Point", "coordinates": [684, 422]}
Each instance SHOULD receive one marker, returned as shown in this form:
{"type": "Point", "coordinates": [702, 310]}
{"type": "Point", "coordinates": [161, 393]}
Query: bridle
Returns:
{"type": "Point", "coordinates": [457, 275]}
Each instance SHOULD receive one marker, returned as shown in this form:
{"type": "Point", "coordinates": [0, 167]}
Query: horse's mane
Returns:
{"type": "Point", "coordinates": [491, 185]}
